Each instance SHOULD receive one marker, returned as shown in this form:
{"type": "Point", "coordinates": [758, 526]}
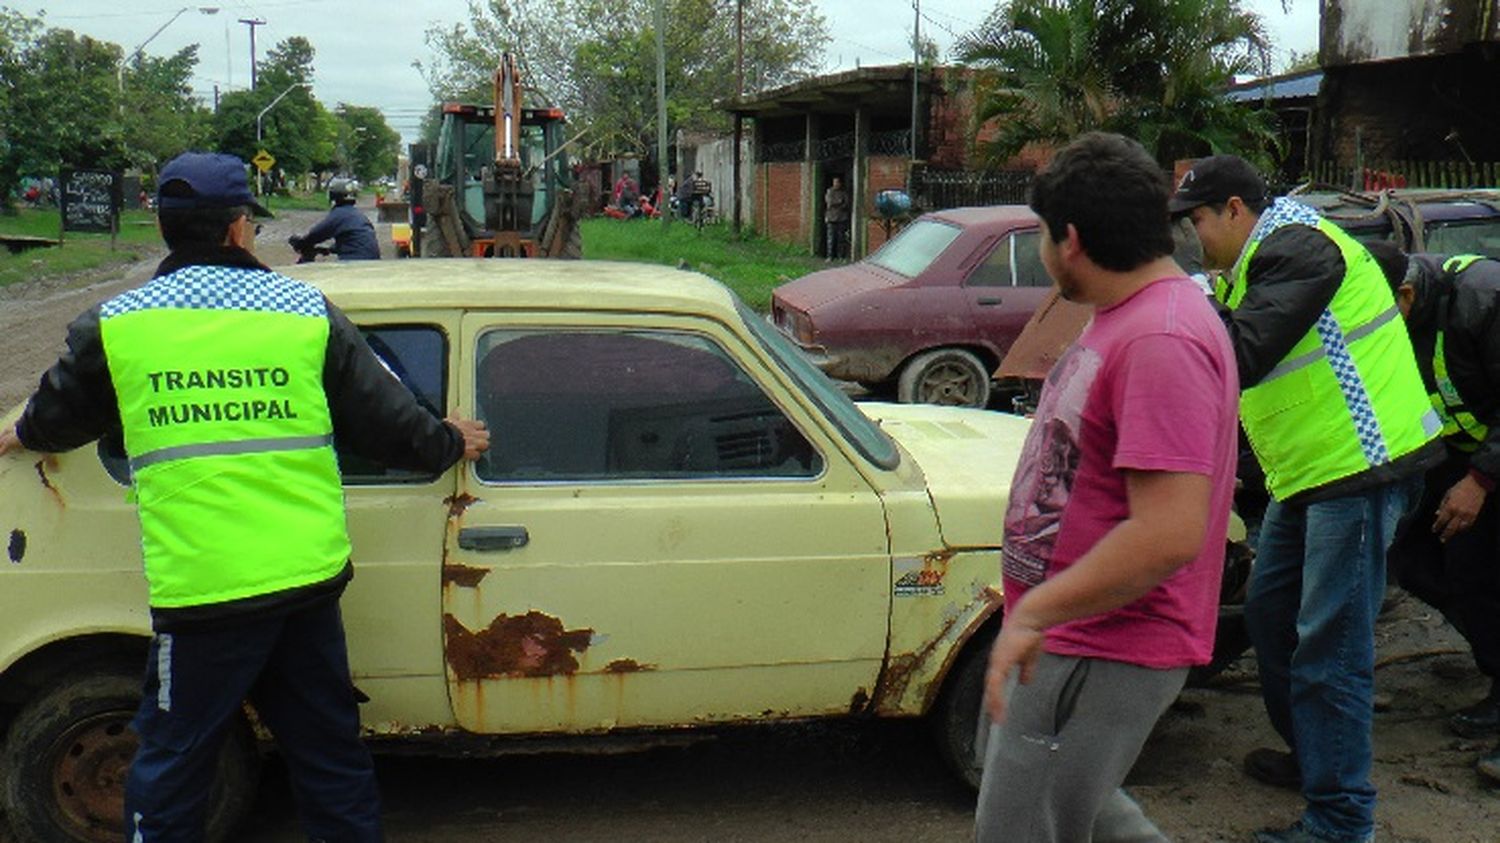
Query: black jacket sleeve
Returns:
{"type": "Point", "coordinates": [1474, 356]}
{"type": "Point", "coordinates": [1292, 278]}
{"type": "Point", "coordinates": [374, 415]}
{"type": "Point", "coordinates": [75, 402]}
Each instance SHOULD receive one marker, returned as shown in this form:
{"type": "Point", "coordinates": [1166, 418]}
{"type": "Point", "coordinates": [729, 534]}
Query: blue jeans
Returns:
{"type": "Point", "coordinates": [1317, 586]}
{"type": "Point", "coordinates": [295, 670]}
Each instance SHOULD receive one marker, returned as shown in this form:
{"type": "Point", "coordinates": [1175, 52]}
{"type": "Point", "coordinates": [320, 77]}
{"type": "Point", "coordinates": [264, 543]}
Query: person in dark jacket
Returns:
{"type": "Point", "coordinates": [351, 231]}
{"type": "Point", "coordinates": [1447, 551]}
{"type": "Point", "coordinates": [226, 385]}
{"type": "Point", "coordinates": [1338, 418]}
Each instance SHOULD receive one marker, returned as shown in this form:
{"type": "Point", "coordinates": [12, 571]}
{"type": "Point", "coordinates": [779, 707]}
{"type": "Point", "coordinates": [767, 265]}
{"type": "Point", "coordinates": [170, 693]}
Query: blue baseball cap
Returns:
{"type": "Point", "coordinates": [205, 180]}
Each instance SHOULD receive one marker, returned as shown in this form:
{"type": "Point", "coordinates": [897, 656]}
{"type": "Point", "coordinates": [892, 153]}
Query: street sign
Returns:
{"type": "Point", "coordinates": [263, 161]}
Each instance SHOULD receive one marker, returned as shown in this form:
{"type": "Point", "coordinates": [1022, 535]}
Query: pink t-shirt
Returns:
{"type": "Point", "coordinates": [1150, 385]}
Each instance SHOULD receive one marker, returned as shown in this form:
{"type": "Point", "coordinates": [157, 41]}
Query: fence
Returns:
{"type": "Point", "coordinates": [1431, 174]}
{"type": "Point", "coordinates": [938, 189]}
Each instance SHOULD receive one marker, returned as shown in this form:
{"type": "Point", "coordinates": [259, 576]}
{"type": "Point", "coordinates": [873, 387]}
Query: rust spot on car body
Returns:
{"type": "Point", "coordinates": [17, 547]}
{"type": "Point", "coordinates": [897, 672]}
{"type": "Point", "coordinates": [463, 576]}
{"type": "Point", "coordinates": [41, 471]}
{"type": "Point", "coordinates": [860, 702]}
{"type": "Point", "coordinates": [459, 504]}
{"type": "Point", "coordinates": [533, 645]}
{"type": "Point", "coordinates": [627, 666]}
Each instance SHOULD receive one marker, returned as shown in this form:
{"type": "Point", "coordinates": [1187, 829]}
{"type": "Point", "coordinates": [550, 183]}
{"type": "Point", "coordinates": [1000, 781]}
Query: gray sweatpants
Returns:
{"type": "Point", "coordinates": [1053, 769]}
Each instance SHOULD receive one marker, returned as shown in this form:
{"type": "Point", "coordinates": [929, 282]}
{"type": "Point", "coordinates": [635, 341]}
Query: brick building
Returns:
{"type": "Point", "coordinates": [1408, 80]}
{"type": "Point", "coordinates": [856, 125]}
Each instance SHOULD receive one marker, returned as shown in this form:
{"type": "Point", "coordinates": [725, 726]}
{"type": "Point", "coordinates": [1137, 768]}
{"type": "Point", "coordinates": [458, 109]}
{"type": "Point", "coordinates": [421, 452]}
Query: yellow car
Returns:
{"type": "Point", "coordinates": [681, 523]}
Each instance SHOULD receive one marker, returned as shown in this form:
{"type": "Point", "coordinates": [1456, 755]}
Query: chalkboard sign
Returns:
{"type": "Point", "coordinates": [90, 200]}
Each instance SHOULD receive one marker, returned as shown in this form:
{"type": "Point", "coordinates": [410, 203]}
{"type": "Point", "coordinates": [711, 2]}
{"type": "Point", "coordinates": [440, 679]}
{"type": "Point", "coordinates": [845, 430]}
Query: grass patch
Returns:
{"type": "Point", "coordinates": [751, 266]}
{"type": "Point", "coordinates": [79, 252]}
{"type": "Point", "coordinates": [295, 202]}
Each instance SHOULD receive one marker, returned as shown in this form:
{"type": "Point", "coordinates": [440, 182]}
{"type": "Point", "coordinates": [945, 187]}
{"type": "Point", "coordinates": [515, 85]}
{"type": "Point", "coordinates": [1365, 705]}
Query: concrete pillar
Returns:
{"type": "Point", "coordinates": [810, 200]}
{"type": "Point", "coordinates": [858, 186]}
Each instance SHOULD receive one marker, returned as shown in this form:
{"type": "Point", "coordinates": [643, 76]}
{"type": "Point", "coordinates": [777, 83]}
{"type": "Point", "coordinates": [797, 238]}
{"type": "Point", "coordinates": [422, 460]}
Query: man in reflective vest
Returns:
{"type": "Point", "coordinates": [227, 383]}
{"type": "Point", "coordinates": [1447, 552]}
{"type": "Point", "coordinates": [1335, 411]}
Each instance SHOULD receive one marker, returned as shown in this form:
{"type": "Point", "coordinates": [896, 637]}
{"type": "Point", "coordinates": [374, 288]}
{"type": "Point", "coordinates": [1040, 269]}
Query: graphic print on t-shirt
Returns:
{"type": "Point", "coordinates": [1049, 463]}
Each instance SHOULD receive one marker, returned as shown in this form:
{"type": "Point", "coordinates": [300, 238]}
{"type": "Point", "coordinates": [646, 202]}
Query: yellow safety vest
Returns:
{"type": "Point", "coordinates": [1348, 396]}
{"type": "Point", "coordinates": [219, 377]}
{"type": "Point", "coordinates": [1460, 427]}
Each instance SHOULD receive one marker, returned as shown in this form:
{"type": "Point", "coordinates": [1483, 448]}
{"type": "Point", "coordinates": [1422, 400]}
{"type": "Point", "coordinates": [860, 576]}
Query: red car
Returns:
{"type": "Point", "coordinates": [931, 314]}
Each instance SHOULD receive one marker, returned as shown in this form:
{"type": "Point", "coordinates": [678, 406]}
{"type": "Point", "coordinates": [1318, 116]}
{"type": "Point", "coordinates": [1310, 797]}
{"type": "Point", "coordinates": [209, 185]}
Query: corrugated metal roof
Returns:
{"type": "Point", "coordinates": [1289, 87]}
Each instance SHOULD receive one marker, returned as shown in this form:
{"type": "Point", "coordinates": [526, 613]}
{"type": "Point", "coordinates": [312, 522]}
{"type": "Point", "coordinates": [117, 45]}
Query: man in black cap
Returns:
{"type": "Point", "coordinates": [1336, 413]}
{"type": "Point", "coordinates": [1446, 551]}
{"type": "Point", "coordinates": [226, 384]}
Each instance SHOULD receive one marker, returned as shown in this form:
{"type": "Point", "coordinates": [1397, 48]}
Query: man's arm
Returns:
{"type": "Point", "coordinates": [74, 403]}
{"type": "Point", "coordinates": [1164, 531]}
{"type": "Point", "coordinates": [377, 417]}
{"type": "Point", "coordinates": [1473, 330]}
{"type": "Point", "coordinates": [324, 229]}
{"type": "Point", "coordinates": [1292, 278]}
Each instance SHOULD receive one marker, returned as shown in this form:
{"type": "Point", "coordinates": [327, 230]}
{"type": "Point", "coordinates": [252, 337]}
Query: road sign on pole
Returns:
{"type": "Point", "coordinates": [263, 161]}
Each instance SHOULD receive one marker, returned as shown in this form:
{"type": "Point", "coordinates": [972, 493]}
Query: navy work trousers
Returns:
{"type": "Point", "coordinates": [294, 669]}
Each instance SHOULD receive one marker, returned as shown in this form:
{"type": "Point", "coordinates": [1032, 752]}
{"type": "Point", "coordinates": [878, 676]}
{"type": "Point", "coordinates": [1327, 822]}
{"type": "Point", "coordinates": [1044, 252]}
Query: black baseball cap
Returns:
{"type": "Point", "coordinates": [1213, 180]}
{"type": "Point", "coordinates": [205, 180]}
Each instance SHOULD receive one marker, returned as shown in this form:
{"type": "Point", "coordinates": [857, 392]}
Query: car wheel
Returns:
{"type": "Point", "coordinates": [955, 717]}
{"type": "Point", "coordinates": [68, 752]}
{"type": "Point", "coordinates": [949, 376]}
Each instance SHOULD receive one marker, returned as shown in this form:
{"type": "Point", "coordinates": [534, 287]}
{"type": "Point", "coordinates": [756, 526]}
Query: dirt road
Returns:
{"type": "Point", "coordinates": [869, 782]}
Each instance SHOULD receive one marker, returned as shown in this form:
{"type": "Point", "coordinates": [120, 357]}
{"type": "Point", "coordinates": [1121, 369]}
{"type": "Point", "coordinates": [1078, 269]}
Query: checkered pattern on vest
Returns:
{"type": "Point", "coordinates": [220, 288]}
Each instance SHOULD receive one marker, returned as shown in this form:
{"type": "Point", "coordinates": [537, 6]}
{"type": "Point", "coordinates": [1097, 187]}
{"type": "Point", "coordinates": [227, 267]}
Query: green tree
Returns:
{"type": "Point", "coordinates": [61, 100]}
{"type": "Point", "coordinates": [596, 59]}
{"type": "Point", "coordinates": [1151, 69]}
{"type": "Point", "coordinates": [368, 143]}
{"type": "Point", "coordinates": [161, 117]}
{"type": "Point", "coordinates": [298, 131]}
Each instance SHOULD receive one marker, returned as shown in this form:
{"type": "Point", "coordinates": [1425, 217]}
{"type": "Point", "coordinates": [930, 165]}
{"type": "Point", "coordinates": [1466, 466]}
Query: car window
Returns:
{"type": "Point", "coordinates": [857, 427]}
{"type": "Point", "coordinates": [1481, 238]}
{"type": "Point", "coordinates": [416, 355]}
{"type": "Point", "coordinates": [1029, 269]}
{"type": "Point", "coordinates": [627, 405]}
{"type": "Point", "coordinates": [994, 271]}
{"type": "Point", "coordinates": [916, 247]}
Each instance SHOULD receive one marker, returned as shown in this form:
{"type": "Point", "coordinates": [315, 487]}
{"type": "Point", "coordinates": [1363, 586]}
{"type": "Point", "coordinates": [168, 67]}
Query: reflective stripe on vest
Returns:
{"type": "Point", "coordinates": [1449, 404]}
{"type": "Point", "coordinates": [1348, 395]}
{"type": "Point", "coordinates": [219, 377]}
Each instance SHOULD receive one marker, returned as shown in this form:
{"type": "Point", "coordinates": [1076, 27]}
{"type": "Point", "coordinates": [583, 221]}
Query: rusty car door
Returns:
{"type": "Point", "coordinates": [662, 534]}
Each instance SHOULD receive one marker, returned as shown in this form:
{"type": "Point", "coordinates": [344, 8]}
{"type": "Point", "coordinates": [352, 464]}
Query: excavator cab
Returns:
{"type": "Point", "coordinates": [501, 184]}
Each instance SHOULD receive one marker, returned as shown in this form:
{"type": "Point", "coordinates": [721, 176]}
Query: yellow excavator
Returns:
{"type": "Point", "coordinates": [500, 183]}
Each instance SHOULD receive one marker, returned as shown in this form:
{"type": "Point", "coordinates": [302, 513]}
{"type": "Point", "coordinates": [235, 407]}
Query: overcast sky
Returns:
{"type": "Point", "coordinates": [365, 48]}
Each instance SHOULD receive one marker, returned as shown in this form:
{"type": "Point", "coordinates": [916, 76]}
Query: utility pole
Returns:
{"type": "Point", "coordinates": [661, 113]}
{"type": "Point", "coordinates": [916, 64]}
{"type": "Point", "coordinates": [252, 23]}
{"type": "Point", "coordinates": [739, 94]}
{"type": "Point", "coordinates": [216, 97]}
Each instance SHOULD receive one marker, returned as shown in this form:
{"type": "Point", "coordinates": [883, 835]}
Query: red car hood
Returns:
{"type": "Point", "coordinates": [826, 285]}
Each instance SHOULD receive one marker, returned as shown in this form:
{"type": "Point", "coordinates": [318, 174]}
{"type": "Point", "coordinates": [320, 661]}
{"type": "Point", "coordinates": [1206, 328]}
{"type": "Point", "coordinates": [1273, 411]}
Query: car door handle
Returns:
{"type": "Point", "coordinates": [989, 302]}
{"type": "Point", "coordinates": [492, 538]}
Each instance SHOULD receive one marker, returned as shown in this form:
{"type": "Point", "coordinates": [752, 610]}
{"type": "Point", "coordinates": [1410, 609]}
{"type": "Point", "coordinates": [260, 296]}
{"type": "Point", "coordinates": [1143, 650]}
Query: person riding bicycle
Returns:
{"type": "Point", "coordinates": [352, 233]}
{"type": "Point", "coordinates": [701, 199]}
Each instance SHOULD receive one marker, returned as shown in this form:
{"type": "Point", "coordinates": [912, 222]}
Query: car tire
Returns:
{"type": "Point", "coordinates": [955, 718]}
{"type": "Point", "coordinates": [951, 376]}
{"type": "Point", "coordinates": [67, 754]}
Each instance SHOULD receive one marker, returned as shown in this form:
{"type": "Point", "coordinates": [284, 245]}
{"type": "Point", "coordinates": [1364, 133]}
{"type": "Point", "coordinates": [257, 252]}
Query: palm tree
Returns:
{"type": "Point", "coordinates": [1151, 69]}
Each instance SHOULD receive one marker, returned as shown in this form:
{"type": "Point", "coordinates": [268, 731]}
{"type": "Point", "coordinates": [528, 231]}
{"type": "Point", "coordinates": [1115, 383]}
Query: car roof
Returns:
{"type": "Point", "coordinates": [515, 284]}
{"type": "Point", "coordinates": [1433, 204]}
{"type": "Point", "coordinates": [1001, 216]}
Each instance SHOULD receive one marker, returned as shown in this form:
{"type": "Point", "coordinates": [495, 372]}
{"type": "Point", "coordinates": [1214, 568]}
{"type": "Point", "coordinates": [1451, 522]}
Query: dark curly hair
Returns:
{"type": "Point", "coordinates": [1110, 189]}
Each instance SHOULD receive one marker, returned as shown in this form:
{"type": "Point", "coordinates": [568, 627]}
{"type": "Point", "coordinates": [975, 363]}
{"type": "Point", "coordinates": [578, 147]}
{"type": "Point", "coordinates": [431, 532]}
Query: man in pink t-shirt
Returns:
{"type": "Point", "coordinates": [1114, 538]}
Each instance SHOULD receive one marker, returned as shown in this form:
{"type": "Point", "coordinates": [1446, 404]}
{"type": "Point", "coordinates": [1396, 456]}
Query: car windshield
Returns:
{"type": "Point", "coordinates": [916, 247]}
{"type": "Point", "coordinates": [857, 427]}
